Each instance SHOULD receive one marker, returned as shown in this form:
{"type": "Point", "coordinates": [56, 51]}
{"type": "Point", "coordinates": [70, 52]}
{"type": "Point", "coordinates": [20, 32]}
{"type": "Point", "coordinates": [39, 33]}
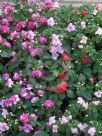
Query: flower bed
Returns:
{"type": "Point", "coordinates": [50, 70]}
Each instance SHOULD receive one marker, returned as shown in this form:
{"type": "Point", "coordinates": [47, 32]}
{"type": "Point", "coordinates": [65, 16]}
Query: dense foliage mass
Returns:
{"type": "Point", "coordinates": [50, 70]}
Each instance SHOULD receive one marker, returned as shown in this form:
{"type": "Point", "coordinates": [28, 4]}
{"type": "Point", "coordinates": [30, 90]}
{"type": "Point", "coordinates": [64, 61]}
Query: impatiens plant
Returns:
{"type": "Point", "coordinates": [50, 70]}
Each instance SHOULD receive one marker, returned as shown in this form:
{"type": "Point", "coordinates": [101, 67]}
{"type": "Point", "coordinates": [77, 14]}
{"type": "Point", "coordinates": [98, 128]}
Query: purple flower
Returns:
{"type": "Point", "coordinates": [70, 27]}
{"type": "Point", "coordinates": [50, 22]}
{"type": "Point", "coordinates": [36, 73]}
{"type": "Point", "coordinates": [27, 128]}
{"type": "Point", "coordinates": [48, 104]}
{"type": "Point", "coordinates": [5, 76]}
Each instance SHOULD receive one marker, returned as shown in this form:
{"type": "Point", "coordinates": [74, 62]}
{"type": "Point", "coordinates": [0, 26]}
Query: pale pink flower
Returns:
{"type": "Point", "coordinates": [5, 113]}
{"type": "Point", "coordinates": [84, 40]}
{"type": "Point", "coordinates": [9, 83]}
{"type": "Point", "coordinates": [96, 103]}
{"type": "Point", "coordinates": [98, 94]}
{"type": "Point", "coordinates": [51, 22]}
{"type": "Point", "coordinates": [74, 130]}
{"type": "Point", "coordinates": [92, 131]}
{"type": "Point", "coordinates": [52, 120]}
{"type": "Point", "coordinates": [55, 128]}
{"type": "Point", "coordinates": [99, 6]}
{"type": "Point", "coordinates": [82, 127]}
{"type": "Point", "coordinates": [3, 127]}
{"type": "Point", "coordinates": [40, 93]}
{"type": "Point", "coordinates": [94, 12]}
{"type": "Point", "coordinates": [27, 128]}
{"type": "Point", "coordinates": [83, 24]}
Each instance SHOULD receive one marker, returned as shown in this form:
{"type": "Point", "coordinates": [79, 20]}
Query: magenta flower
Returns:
{"type": "Point", "coordinates": [36, 73]}
{"type": "Point", "coordinates": [43, 21]}
{"type": "Point", "coordinates": [16, 76]}
{"type": "Point", "coordinates": [48, 104]}
{"type": "Point", "coordinates": [70, 27]}
{"type": "Point", "coordinates": [31, 25]}
{"type": "Point", "coordinates": [25, 46]}
{"type": "Point", "coordinates": [24, 118]}
{"type": "Point", "coordinates": [42, 40]}
{"type": "Point", "coordinates": [4, 29]}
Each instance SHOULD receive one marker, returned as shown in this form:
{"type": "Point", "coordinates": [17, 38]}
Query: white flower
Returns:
{"type": "Point", "coordinates": [99, 31]}
{"type": "Point", "coordinates": [51, 22]}
{"type": "Point", "coordinates": [80, 46]}
{"type": "Point", "coordinates": [95, 12]}
{"type": "Point", "coordinates": [96, 102]}
{"type": "Point", "coordinates": [83, 25]}
{"type": "Point", "coordinates": [52, 120]}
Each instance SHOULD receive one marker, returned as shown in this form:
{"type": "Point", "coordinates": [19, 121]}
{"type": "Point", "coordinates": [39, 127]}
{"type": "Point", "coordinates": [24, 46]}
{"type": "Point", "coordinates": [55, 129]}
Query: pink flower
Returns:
{"type": "Point", "coordinates": [7, 44]}
{"type": "Point", "coordinates": [40, 93]}
{"type": "Point", "coordinates": [13, 35]}
{"type": "Point", "coordinates": [1, 40]}
{"type": "Point", "coordinates": [20, 25]}
{"type": "Point", "coordinates": [35, 16]}
{"type": "Point", "coordinates": [16, 76]}
{"type": "Point", "coordinates": [24, 118]}
{"type": "Point", "coordinates": [55, 128]}
{"type": "Point", "coordinates": [25, 46]}
{"type": "Point", "coordinates": [9, 83]}
{"type": "Point", "coordinates": [23, 92]}
{"type": "Point", "coordinates": [43, 21]}
{"type": "Point", "coordinates": [48, 104]}
{"type": "Point", "coordinates": [30, 2]}
{"type": "Point", "coordinates": [42, 40]}
{"type": "Point", "coordinates": [99, 6]}
{"type": "Point", "coordinates": [24, 35]}
{"type": "Point", "coordinates": [27, 128]}
{"type": "Point", "coordinates": [48, 4]}
{"type": "Point", "coordinates": [5, 22]}
{"type": "Point", "coordinates": [5, 113]}
{"type": "Point", "coordinates": [14, 99]}
{"type": "Point", "coordinates": [4, 29]}
{"type": "Point", "coordinates": [37, 73]}
{"type": "Point", "coordinates": [7, 103]}
{"type": "Point", "coordinates": [92, 131]}
{"type": "Point", "coordinates": [34, 116]}
{"type": "Point", "coordinates": [33, 52]}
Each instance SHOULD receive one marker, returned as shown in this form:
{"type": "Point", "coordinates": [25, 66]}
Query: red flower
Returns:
{"type": "Point", "coordinates": [66, 57]}
{"type": "Point", "coordinates": [62, 76]}
{"type": "Point", "coordinates": [85, 59]}
{"type": "Point", "coordinates": [61, 88]}
{"type": "Point", "coordinates": [83, 13]}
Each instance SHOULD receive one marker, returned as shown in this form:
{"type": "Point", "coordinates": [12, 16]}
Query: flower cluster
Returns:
{"type": "Point", "coordinates": [50, 69]}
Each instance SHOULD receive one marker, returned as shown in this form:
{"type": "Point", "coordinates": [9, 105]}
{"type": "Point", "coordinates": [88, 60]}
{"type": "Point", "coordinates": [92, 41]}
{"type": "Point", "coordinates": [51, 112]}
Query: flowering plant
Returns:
{"type": "Point", "coordinates": [50, 70]}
